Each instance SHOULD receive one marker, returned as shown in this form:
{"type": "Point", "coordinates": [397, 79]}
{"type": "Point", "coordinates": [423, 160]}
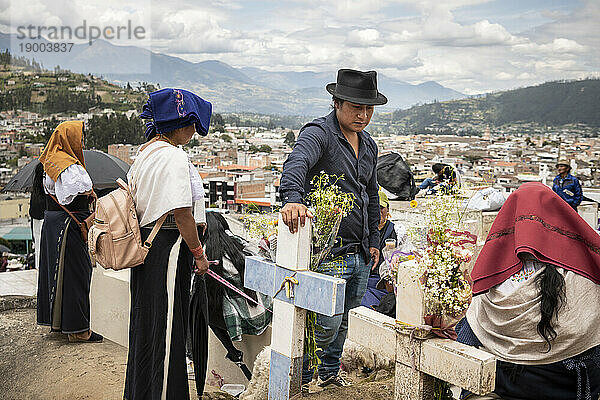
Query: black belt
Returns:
{"type": "Point", "coordinates": [349, 249]}
{"type": "Point", "coordinates": [354, 249]}
{"type": "Point", "coordinates": [169, 223]}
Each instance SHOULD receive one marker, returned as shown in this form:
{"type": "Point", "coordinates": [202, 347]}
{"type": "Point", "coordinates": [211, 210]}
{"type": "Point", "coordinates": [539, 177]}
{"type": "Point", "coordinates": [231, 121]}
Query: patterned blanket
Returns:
{"type": "Point", "coordinates": [241, 316]}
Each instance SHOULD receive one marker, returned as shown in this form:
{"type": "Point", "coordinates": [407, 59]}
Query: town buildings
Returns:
{"type": "Point", "coordinates": [242, 165]}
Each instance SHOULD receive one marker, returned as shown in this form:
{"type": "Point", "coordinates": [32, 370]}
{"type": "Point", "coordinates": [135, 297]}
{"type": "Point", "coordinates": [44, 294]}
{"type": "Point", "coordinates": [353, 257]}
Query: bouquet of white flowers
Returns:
{"type": "Point", "coordinates": [440, 267]}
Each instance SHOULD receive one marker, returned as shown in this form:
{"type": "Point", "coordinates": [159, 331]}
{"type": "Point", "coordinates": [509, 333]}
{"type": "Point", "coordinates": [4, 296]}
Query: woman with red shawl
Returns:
{"type": "Point", "coordinates": [536, 286]}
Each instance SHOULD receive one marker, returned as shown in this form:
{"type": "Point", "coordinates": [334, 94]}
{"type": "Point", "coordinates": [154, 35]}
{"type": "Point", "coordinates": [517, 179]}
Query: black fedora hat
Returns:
{"type": "Point", "coordinates": [357, 87]}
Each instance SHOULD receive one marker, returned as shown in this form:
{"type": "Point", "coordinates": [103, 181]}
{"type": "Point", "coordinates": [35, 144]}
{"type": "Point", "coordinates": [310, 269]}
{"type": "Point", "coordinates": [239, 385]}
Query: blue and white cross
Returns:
{"type": "Point", "coordinates": [314, 292]}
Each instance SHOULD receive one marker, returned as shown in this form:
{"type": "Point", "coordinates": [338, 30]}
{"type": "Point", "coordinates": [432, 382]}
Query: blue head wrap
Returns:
{"type": "Point", "coordinates": [170, 109]}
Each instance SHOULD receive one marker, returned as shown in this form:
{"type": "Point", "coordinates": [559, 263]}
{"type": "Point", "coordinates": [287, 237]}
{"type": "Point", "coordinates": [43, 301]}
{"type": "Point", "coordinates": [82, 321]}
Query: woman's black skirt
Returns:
{"type": "Point", "coordinates": [160, 288]}
{"type": "Point", "coordinates": [63, 297]}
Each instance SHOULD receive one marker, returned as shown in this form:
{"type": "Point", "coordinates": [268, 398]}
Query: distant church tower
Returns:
{"type": "Point", "coordinates": [486, 133]}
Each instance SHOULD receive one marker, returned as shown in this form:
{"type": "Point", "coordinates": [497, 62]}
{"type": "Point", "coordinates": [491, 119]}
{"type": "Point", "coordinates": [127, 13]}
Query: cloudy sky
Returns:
{"type": "Point", "coordinates": [472, 46]}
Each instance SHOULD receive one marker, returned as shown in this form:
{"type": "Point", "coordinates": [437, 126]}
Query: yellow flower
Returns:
{"type": "Point", "coordinates": [413, 203]}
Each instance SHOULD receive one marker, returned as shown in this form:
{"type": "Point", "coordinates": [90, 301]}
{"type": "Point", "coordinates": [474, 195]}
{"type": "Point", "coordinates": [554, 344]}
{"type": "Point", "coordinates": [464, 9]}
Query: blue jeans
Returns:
{"type": "Point", "coordinates": [331, 332]}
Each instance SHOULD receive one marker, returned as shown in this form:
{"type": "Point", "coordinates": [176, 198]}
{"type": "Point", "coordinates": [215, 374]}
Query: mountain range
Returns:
{"type": "Point", "coordinates": [555, 103]}
{"type": "Point", "coordinates": [230, 89]}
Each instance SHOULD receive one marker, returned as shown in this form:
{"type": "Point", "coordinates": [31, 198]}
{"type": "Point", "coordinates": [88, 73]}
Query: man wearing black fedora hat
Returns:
{"type": "Point", "coordinates": [338, 145]}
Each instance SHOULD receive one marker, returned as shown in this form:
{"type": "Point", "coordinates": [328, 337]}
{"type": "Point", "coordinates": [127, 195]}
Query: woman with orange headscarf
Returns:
{"type": "Point", "coordinates": [63, 299]}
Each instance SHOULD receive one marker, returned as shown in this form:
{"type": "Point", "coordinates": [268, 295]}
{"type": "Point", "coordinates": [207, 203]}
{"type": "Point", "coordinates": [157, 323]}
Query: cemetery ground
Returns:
{"type": "Point", "coordinates": [37, 365]}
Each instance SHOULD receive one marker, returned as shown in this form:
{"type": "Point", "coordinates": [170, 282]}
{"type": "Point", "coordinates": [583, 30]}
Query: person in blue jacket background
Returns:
{"type": "Point", "coordinates": [566, 185]}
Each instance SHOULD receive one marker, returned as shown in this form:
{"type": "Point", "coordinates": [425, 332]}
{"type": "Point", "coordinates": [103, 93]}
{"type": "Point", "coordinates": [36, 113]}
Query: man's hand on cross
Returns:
{"type": "Point", "coordinates": [290, 214]}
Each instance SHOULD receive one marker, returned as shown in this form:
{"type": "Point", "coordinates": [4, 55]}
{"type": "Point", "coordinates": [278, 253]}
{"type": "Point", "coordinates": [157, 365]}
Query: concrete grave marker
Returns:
{"type": "Point", "coordinates": [314, 292]}
{"type": "Point", "coordinates": [295, 252]}
{"type": "Point", "coordinates": [420, 357]}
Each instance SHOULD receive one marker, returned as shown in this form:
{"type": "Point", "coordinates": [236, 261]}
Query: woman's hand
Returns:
{"type": "Point", "coordinates": [201, 265]}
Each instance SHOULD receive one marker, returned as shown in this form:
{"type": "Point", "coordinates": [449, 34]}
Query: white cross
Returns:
{"type": "Point", "coordinates": [314, 292]}
{"type": "Point", "coordinates": [420, 358]}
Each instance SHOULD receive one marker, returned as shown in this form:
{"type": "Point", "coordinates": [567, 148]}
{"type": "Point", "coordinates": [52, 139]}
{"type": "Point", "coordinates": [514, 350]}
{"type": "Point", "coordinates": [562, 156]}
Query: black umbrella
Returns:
{"type": "Point", "coordinates": [104, 169]}
{"type": "Point", "coordinates": [4, 249]}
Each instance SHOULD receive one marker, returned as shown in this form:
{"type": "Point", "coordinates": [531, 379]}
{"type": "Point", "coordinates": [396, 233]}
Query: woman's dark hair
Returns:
{"type": "Point", "coordinates": [449, 173]}
{"type": "Point", "coordinates": [37, 202]}
{"type": "Point", "coordinates": [219, 244]}
{"type": "Point", "coordinates": [552, 290]}
{"type": "Point", "coordinates": [38, 181]}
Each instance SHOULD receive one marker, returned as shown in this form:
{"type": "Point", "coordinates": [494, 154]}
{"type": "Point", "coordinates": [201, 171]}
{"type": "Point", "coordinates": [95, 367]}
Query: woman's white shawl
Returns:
{"type": "Point", "coordinates": [506, 324]}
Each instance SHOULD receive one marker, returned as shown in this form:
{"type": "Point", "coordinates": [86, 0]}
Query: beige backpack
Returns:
{"type": "Point", "coordinates": [114, 240]}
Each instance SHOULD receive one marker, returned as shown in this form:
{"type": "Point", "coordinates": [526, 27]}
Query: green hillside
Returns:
{"type": "Point", "coordinates": [551, 103]}
{"type": "Point", "coordinates": [25, 85]}
{"type": "Point", "coordinates": [556, 103]}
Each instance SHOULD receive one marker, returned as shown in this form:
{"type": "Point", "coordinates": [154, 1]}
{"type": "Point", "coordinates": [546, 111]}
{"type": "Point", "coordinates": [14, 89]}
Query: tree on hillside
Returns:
{"type": "Point", "coordinates": [233, 120]}
{"type": "Point", "coordinates": [18, 98]}
{"type": "Point", "coordinates": [265, 148]}
{"type": "Point", "coordinates": [49, 127]}
{"type": "Point", "coordinates": [217, 119]}
{"type": "Point", "coordinates": [290, 139]}
{"type": "Point", "coordinates": [217, 123]}
{"type": "Point", "coordinates": [105, 130]}
{"type": "Point", "coordinates": [64, 100]}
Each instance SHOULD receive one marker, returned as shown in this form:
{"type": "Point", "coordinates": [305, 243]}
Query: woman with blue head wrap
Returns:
{"type": "Point", "coordinates": [169, 109]}
{"type": "Point", "coordinates": [163, 182]}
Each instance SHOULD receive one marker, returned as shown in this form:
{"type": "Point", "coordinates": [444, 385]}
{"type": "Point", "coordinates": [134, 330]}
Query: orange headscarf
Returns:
{"type": "Point", "coordinates": [64, 148]}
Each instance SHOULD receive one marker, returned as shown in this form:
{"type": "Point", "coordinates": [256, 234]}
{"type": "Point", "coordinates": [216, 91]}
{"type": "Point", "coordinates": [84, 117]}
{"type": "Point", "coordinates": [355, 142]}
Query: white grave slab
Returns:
{"type": "Point", "coordinates": [110, 307]}
{"type": "Point", "coordinates": [110, 304]}
{"type": "Point", "coordinates": [419, 360]}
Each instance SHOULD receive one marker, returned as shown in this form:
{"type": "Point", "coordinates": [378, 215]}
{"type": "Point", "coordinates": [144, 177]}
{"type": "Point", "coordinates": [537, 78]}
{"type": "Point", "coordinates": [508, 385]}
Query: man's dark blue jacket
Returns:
{"type": "Point", "coordinates": [321, 146]}
{"type": "Point", "coordinates": [569, 189]}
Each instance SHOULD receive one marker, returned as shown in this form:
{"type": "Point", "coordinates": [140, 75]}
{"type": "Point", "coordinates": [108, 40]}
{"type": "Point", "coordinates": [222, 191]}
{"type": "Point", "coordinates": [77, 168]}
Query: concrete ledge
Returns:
{"type": "Point", "coordinates": [373, 330]}
{"type": "Point", "coordinates": [109, 308]}
{"type": "Point", "coordinates": [442, 358]}
{"type": "Point", "coordinates": [15, 302]}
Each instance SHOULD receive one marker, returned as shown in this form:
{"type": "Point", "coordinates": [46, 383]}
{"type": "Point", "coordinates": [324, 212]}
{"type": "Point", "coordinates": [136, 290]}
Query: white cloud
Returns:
{"type": "Point", "coordinates": [193, 31]}
{"type": "Point", "coordinates": [560, 46]}
{"type": "Point", "coordinates": [504, 76]}
{"type": "Point", "coordinates": [411, 40]}
{"type": "Point", "coordinates": [227, 4]}
{"type": "Point", "coordinates": [364, 38]}
{"type": "Point", "coordinates": [580, 25]}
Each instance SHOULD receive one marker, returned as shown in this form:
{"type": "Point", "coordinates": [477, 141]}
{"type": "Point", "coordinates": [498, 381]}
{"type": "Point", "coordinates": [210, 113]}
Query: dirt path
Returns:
{"type": "Point", "coordinates": [38, 365]}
